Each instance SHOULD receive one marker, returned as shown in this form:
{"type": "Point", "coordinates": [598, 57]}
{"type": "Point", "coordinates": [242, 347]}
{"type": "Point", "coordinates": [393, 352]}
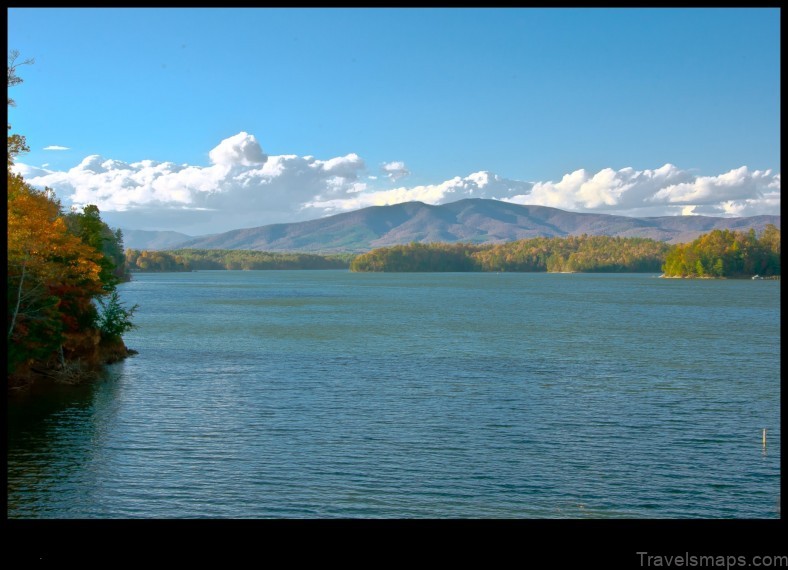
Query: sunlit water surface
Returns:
{"type": "Point", "coordinates": [333, 394]}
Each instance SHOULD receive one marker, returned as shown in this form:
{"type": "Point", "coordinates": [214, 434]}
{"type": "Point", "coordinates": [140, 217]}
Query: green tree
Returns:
{"type": "Point", "coordinates": [719, 269]}
{"type": "Point", "coordinates": [93, 231]}
{"type": "Point", "coordinates": [726, 253]}
{"type": "Point", "coordinates": [114, 318]}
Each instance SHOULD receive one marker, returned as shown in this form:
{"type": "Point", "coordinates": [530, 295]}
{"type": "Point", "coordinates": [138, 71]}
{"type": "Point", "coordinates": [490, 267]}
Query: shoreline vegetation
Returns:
{"type": "Point", "coordinates": [745, 277]}
{"type": "Point", "coordinates": [65, 316]}
{"type": "Point", "coordinates": [231, 259]}
{"type": "Point", "coordinates": [727, 254]}
{"type": "Point", "coordinates": [719, 254]}
{"type": "Point", "coordinates": [553, 255]}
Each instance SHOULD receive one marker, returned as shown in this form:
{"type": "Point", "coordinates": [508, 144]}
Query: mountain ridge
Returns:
{"type": "Point", "coordinates": [151, 239]}
{"type": "Point", "coordinates": [474, 220]}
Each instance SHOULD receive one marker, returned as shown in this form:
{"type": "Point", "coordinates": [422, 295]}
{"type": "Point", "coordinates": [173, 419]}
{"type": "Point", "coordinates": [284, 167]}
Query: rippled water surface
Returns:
{"type": "Point", "coordinates": [333, 394]}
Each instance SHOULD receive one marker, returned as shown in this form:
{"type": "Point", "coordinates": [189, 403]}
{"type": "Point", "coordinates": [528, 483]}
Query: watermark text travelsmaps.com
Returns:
{"type": "Point", "coordinates": [710, 561]}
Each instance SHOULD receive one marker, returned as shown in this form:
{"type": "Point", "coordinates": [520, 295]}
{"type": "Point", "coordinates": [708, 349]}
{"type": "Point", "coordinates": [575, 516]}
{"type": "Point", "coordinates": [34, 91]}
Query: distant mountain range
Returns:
{"type": "Point", "coordinates": [144, 239]}
{"type": "Point", "coordinates": [472, 220]}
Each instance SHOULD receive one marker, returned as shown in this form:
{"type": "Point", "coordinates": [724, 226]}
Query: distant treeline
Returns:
{"type": "Point", "coordinates": [726, 253]}
{"type": "Point", "coordinates": [566, 254]}
{"type": "Point", "coordinates": [720, 253]}
{"type": "Point", "coordinates": [194, 259]}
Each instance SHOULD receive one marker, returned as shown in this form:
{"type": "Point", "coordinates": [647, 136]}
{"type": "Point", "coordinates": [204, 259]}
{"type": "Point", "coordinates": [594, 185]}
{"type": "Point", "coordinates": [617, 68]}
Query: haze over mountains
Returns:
{"type": "Point", "coordinates": [471, 220]}
{"type": "Point", "coordinates": [146, 239]}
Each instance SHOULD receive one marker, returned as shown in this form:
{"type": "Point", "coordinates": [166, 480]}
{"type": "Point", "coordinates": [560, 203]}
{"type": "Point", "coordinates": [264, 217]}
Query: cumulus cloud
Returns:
{"type": "Point", "coordinates": [31, 172]}
{"type": "Point", "coordinates": [395, 170]}
{"type": "Point", "coordinates": [56, 147]}
{"type": "Point", "coordinates": [664, 191]}
{"type": "Point", "coordinates": [342, 166]}
{"type": "Point", "coordinates": [667, 190]}
{"type": "Point", "coordinates": [607, 189]}
{"type": "Point", "coordinates": [243, 187]}
{"type": "Point", "coordinates": [476, 185]}
{"type": "Point", "coordinates": [732, 186]}
{"type": "Point", "coordinates": [239, 150]}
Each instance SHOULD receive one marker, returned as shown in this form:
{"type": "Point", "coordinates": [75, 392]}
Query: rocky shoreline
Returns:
{"type": "Point", "coordinates": [81, 359]}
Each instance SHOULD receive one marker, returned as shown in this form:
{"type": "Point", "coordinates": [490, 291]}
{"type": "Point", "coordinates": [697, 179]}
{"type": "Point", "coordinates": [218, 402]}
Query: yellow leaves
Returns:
{"type": "Point", "coordinates": [39, 240]}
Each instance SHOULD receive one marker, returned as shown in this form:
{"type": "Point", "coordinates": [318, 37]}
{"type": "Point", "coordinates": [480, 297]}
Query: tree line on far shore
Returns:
{"type": "Point", "coordinates": [202, 259]}
{"type": "Point", "coordinates": [719, 253]}
{"type": "Point", "coordinates": [556, 254]}
{"type": "Point", "coordinates": [726, 253]}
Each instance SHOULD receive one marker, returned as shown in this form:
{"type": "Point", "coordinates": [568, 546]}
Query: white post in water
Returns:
{"type": "Point", "coordinates": [764, 437]}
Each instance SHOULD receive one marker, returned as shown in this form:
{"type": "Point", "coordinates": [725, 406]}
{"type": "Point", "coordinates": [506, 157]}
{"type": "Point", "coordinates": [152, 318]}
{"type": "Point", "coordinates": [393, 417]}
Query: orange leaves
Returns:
{"type": "Point", "coordinates": [42, 256]}
{"type": "Point", "coordinates": [39, 240]}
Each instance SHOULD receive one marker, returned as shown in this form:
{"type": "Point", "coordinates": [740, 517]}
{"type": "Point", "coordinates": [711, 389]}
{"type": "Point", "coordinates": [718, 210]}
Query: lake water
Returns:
{"type": "Point", "coordinates": [326, 394]}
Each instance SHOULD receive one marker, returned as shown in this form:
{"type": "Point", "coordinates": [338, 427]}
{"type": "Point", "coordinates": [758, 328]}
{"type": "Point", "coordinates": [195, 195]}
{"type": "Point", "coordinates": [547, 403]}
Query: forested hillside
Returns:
{"type": "Point", "coordinates": [573, 253]}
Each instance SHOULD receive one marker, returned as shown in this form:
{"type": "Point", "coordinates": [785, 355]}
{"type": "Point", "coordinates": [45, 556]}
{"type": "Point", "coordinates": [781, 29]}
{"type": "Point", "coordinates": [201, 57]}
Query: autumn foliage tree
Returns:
{"type": "Point", "coordinates": [52, 274]}
{"type": "Point", "coordinates": [58, 265]}
{"type": "Point", "coordinates": [726, 253]}
{"type": "Point", "coordinates": [89, 226]}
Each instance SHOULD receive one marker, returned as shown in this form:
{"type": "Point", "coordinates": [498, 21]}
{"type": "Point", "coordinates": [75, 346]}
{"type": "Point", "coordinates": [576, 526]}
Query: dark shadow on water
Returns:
{"type": "Point", "coordinates": [32, 409]}
{"type": "Point", "coordinates": [51, 431]}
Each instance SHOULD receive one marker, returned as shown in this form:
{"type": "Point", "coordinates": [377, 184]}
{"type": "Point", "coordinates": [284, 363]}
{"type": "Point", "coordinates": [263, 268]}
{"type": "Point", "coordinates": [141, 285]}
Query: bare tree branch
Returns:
{"type": "Point", "coordinates": [13, 78]}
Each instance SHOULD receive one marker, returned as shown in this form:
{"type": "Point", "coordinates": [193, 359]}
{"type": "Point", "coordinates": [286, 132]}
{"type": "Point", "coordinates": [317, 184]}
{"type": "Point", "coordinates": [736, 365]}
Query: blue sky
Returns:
{"type": "Point", "coordinates": [205, 120]}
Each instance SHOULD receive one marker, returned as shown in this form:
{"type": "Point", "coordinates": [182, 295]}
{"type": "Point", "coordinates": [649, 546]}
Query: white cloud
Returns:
{"type": "Point", "coordinates": [731, 187]}
{"type": "Point", "coordinates": [343, 166]}
{"type": "Point", "coordinates": [239, 150]}
{"type": "Point", "coordinates": [395, 170]}
{"type": "Point", "coordinates": [30, 172]}
{"type": "Point", "coordinates": [476, 185]}
{"type": "Point", "coordinates": [56, 147]}
{"type": "Point", "coordinates": [762, 196]}
{"type": "Point", "coordinates": [243, 187]}
{"type": "Point", "coordinates": [607, 190]}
